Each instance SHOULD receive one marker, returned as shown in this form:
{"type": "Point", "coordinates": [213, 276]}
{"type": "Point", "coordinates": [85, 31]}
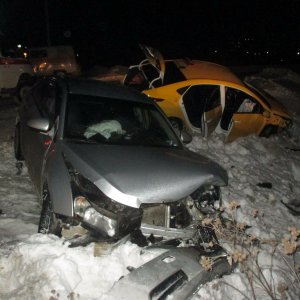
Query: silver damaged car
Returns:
{"type": "Point", "coordinates": [105, 158]}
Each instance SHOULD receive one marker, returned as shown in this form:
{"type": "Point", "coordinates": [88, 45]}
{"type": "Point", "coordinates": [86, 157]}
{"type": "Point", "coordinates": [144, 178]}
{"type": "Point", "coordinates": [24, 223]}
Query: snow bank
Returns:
{"type": "Point", "coordinates": [283, 84]}
{"type": "Point", "coordinates": [43, 266]}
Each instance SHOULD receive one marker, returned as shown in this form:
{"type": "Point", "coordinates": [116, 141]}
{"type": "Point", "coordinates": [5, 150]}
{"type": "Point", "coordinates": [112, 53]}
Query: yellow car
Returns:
{"type": "Point", "coordinates": [203, 97]}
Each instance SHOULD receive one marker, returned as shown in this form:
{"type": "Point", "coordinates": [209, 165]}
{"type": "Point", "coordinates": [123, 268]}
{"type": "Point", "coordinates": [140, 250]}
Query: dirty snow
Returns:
{"type": "Point", "coordinates": [33, 266]}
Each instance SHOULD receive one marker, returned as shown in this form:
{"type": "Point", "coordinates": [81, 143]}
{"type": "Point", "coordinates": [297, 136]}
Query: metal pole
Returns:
{"type": "Point", "coordinates": [47, 23]}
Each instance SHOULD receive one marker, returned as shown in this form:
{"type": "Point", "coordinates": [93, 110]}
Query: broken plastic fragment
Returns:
{"type": "Point", "coordinates": [267, 185]}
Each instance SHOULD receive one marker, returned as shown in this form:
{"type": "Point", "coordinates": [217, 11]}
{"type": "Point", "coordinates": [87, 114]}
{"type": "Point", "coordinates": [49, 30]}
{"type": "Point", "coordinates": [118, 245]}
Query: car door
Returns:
{"type": "Point", "coordinates": [212, 111]}
{"type": "Point", "coordinates": [247, 114]}
{"type": "Point", "coordinates": [202, 104]}
{"type": "Point", "coordinates": [155, 70]}
{"type": "Point", "coordinates": [40, 104]}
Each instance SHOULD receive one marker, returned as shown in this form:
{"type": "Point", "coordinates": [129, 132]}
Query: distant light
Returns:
{"type": "Point", "coordinates": [267, 52]}
{"type": "Point", "coordinates": [247, 52]}
{"type": "Point", "coordinates": [19, 46]}
{"type": "Point", "coordinates": [298, 53]}
{"type": "Point", "coordinates": [216, 51]}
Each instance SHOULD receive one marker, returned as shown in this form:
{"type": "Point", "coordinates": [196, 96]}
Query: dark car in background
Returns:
{"type": "Point", "coordinates": [106, 158]}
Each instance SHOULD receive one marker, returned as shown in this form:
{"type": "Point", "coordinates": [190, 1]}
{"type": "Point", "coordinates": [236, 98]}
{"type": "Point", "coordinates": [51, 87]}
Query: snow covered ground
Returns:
{"type": "Point", "coordinates": [34, 266]}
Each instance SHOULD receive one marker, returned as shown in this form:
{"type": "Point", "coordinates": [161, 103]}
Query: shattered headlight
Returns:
{"type": "Point", "coordinates": [80, 205]}
{"type": "Point", "coordinates": [98, 212]}
{"type": "Point", "coordinates": [207, 199]}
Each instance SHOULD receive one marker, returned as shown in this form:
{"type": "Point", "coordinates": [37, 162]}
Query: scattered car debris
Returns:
{"type": "Point", "coordinates": [293, 206]}
{"type": "Point", "coordinates": [293, 149]}
{"type": "Point", "coordinates": [177, 273]}
{"type": "Point", "coordinates": [267, 185]}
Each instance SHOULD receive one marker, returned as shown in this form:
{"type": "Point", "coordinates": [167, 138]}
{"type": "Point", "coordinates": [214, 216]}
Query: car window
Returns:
{"type": "Point", "coordinates": [199, 99]}
{"type": "Point", "coordinates": [47, 98]}
{"type": "Point", "coordinates": [115, 121]}
{"type": "Point", "coordinates": [48, 102]}
{"type": "Point", "coordinates": [241, 102]}
{"type": "Point", "coordinates": [238, 102]}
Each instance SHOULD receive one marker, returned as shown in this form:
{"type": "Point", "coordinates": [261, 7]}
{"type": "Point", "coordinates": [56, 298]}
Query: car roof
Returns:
{"type": "Point", "coordinates": [197, 69]}
{"type": "Point", "coordinates": [90, 87]}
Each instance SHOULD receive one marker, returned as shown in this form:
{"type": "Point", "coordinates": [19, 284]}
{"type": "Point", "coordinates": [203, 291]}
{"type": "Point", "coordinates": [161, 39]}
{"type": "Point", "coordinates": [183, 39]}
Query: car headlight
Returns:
{"type": "Point", "coordinates": [207, 198]}
{"type": "Point", "coordinates": [80, 205]}
{"type": "Point", "coordinates": [98, 212]}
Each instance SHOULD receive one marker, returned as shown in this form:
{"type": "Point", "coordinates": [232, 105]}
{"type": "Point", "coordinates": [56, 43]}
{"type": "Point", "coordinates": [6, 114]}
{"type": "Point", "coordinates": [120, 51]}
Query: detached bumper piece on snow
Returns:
{"type": "Point", "coordinates": [176, 273]}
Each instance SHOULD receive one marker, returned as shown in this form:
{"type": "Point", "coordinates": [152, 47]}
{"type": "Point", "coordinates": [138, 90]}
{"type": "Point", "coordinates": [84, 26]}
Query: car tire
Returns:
{"type": "Point", "coordinates": [17, 144]}
{"type": "Point", "coordinates": [176, 124]}
{"type": "Point", "coordinates": [49, 223]}
{"type": "Point", "coordinates": [268, 131]}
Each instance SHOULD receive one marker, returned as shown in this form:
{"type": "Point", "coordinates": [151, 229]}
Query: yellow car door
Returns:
{"type": "Point", "coordinates": [154, 58]}
{"type": "Point", "coordinates": [242, 114]}
{"type": "Point", "coordinates": [211, 120]}
{"type": "Point", "coordinates": [202, 107]}
{"type": "Point", "coordinates": [212, 111]}
{"type": "Point", "coordinates": [243, 124]}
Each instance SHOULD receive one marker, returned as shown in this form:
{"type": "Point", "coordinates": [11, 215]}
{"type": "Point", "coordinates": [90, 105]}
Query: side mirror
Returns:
{"type": "Point", "coordinates": [39, 124]}
{"type": "Point", "coordinates": [185, 137]}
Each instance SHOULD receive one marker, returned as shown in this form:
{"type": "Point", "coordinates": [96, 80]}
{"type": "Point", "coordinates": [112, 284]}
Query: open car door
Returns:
{"type": "Point", "coordinates": [243, 124]}
{"type": "Point", "coordinates": [212, 111]}
{"type": "Point", "coordinates": [210, 120]}
{"type": "Point", "coordinates": [154, 58]}
{"type": "Point", "coordinates": [202, 106]}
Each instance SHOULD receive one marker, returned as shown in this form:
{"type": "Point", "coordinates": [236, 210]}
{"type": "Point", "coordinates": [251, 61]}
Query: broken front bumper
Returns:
{"type": "Point", "coordinates": [176, 273]}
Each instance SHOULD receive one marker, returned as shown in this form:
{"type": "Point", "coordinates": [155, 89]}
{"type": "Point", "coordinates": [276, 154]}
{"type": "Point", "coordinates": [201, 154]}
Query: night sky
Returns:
{"type": "Point", "coordinates": [108, 32]}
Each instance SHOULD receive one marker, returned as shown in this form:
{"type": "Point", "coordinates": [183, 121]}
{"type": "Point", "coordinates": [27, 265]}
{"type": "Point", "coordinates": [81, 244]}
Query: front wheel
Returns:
{"type": "Point", "coordinates": [49, 223]}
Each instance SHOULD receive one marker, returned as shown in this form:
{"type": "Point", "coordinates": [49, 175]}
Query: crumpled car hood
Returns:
{"type": "Point", "coordinates": [278, 108]}
{"type": "Point", "coordinates": [133, 175]}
